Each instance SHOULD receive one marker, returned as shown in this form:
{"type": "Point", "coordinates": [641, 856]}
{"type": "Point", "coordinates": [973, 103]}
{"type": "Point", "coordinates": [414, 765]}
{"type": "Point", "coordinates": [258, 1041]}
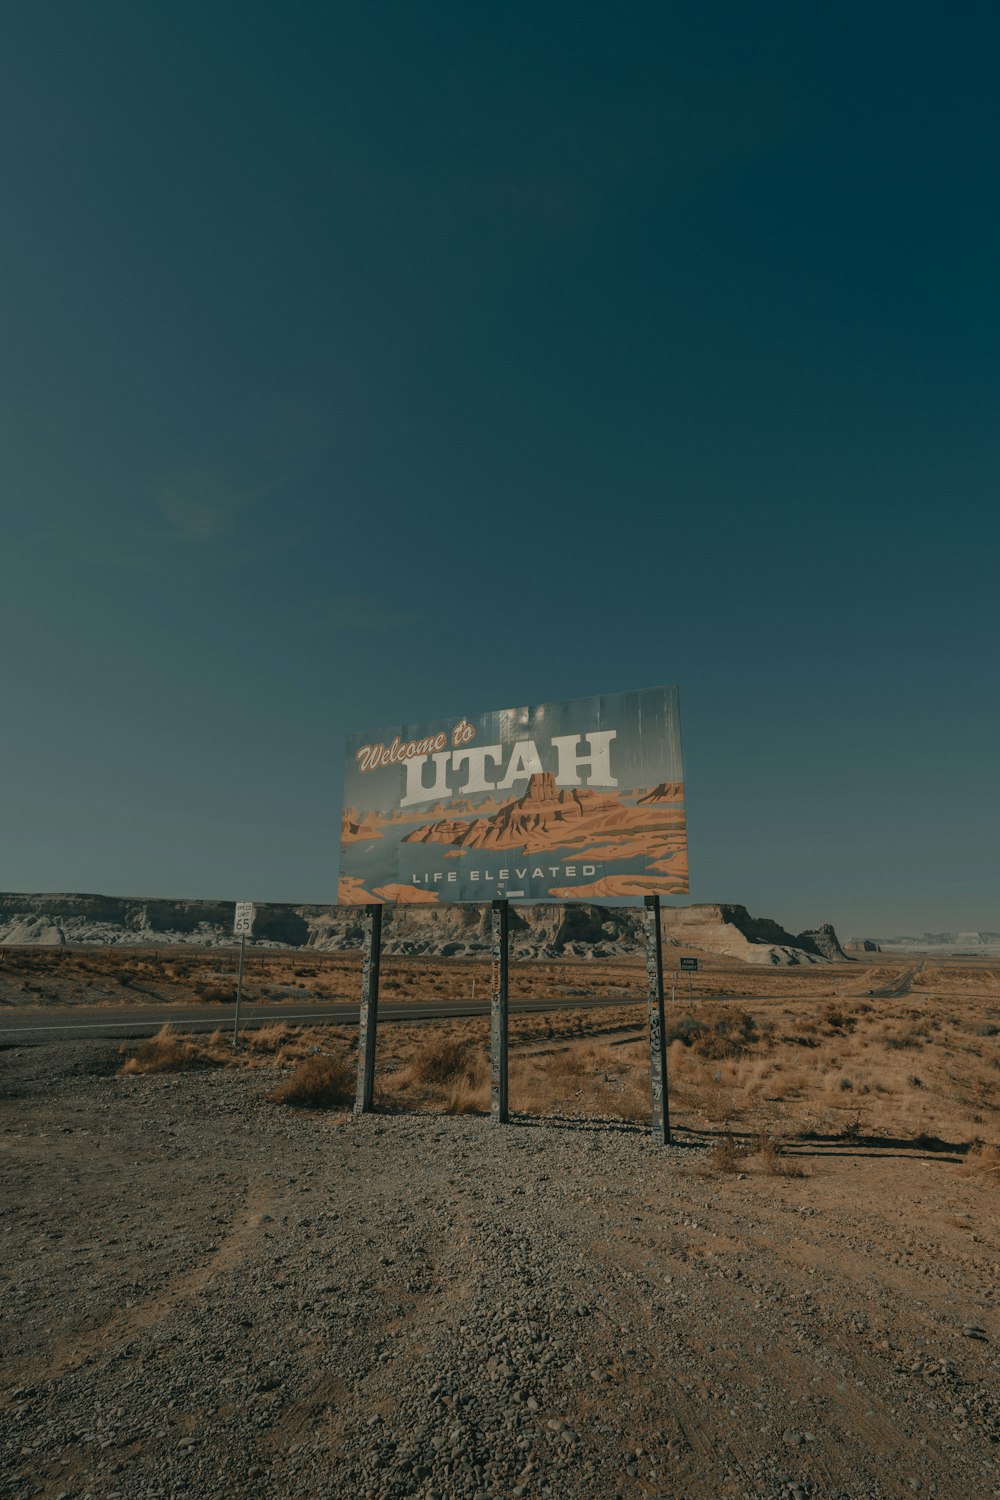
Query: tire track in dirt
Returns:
{"type": "Point", "coordinates": [76, 1349]}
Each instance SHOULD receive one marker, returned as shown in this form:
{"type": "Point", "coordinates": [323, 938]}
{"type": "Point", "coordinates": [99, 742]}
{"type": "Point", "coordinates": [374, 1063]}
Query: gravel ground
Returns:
{"type": "Point", "coordinates": [207, 1295]}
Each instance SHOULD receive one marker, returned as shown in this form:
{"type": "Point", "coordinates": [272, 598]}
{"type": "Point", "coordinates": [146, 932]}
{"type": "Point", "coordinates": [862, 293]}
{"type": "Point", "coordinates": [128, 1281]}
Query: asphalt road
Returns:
{"type": "Point", "coordinates": [69, 1023]}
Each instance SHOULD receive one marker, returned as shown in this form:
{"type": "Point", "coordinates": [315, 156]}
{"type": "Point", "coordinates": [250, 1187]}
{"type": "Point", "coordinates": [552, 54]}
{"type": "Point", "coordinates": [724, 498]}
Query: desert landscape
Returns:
{"type": "Point", "coordinates": [548, 435]}
{"type": "Point", "coordinates": [219, 1280]}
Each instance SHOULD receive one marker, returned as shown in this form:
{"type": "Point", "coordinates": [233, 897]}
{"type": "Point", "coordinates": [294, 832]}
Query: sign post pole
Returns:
{"type": "Point", "coordinates": [657, 1026]}
{"type": "Point", "coordinates": [239, 990]}
{"type": "Point", "coordinates": [498, 1013]}
{"type": "Point", "coordinates": [364, 1101]}
{"type": "Point", "coordinates": [242, 924]}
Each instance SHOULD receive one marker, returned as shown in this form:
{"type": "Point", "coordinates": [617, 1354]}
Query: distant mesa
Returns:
{"type": "Point", "coordinates": [623, 885]}
{"type": "Point", "coordinates": [407, 895]}
{"type": "Point", "coordinates": [351, 892]}
{"type": "Point", "coordinates": [676, 865]}
{"type": "Point", "coordinates": [547, 818]}
{"type": "Point", "coordinates": [954, 944]}
{"type": "Point", "coordinates": [667, 791]}
{"type": "Point", "coordinates": [356, 826]}
{"type": "Point", "coordinates": [439, 810]}
{"type": "Point", "coordinates": [487, 804]}
{"type": "Point", "coordinates": [424, 926]}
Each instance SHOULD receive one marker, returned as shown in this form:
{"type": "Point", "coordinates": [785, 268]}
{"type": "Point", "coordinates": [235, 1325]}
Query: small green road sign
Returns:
{"type": "Point", "coordinates": [689, 965]}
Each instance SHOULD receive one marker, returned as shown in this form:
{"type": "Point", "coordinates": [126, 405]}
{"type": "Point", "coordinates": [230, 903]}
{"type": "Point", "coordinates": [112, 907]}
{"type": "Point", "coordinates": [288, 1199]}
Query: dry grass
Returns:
{"type": "Point", "coordinates": [982, 1161]}
{"type": "Point", "coordinates": [441, 1060]}
{"type": "Point", "coordinates": [166, 1052]}
{"type": "Point", "coordinates": [271, 1039]}
{"type": "Point", "coordinates": [770, 1156]}
{"type": "Point", "coordinates": [727, 1155]}
{"type": "Point", "coordinates": [588, 1079]}
{"type": "Point", "coordinates": [438, 1069]}
{"type": "Point", "coordinates": [796, 1061]}
{"type": "Point", "coordinates": [321, 1082]}
{"type": "Point", "coordinates": [469, 1093]}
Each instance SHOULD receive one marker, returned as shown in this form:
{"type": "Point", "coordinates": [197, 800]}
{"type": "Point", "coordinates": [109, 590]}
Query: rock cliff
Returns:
{"type": "Point", "coordinates": [549, 931]}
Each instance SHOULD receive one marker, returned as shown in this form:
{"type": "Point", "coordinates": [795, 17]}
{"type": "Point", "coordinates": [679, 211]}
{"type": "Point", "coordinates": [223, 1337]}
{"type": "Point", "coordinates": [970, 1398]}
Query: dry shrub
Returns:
{"type": "Point", "coordinates": [630, 1102]}
{"type": "Point", "coordinates": [321, 1082]}
{"type": "Point", "coordinates": [573, 1073]}
{"type": "Point", "coordinates": [268, 1038]}
{"type": "Point", "coordinates": [731, 1034]}
{"type": "Point", "coordinates": [727, 1154]}
{"type": "Point", "coordinates": [441, 1060]}
{"type": "Point", "coordinates": [770, 1155]}
{"type": "Point", "coordinates": [165, 1052]}
{"type": "Point", "coordinates": [982, 1160]}
{"type": "Point", "coordinates": [215, 993]}
{"type": "Point", "coordinates": [568, 1069]}
{"type": "Point", "coordinates": [470, 1093]}
{"type": "Point", "coordinates": [594, 1080]}
{"type": "Point", "coordinates": [293, 1051]}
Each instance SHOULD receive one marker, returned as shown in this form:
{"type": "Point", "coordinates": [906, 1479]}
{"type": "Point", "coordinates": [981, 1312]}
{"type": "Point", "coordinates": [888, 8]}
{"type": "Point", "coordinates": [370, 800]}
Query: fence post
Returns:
{"type": "Point", "coordinates": [657, 1026]}
{"type": "Point", "coordinates": [364, 1101]}
{"type": "Point", "coordinates": [498, 1013]}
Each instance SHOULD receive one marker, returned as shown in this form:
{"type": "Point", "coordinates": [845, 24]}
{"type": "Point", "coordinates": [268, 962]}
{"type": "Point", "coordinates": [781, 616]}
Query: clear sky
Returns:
{"type": "Point", "coordinates": [364, 363]}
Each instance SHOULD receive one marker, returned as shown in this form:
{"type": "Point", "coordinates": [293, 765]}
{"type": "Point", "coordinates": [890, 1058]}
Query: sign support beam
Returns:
{"type": "Point", "coordinates": [364, 1101]}
{"type": "Point", "coordinates": [239, 990]}
{"type": "Point", "coordinates": [499, 1015]}
{"type": "Point", "coordinates": [657, 1023]}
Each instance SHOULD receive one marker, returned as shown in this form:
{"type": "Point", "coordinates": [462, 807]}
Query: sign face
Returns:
{"type": "Point", "coordinates": [689, 965]}
{"type": "Point", "coordinates": [243, 922]}
{"type": "Point", "coordinates": [578, 801]}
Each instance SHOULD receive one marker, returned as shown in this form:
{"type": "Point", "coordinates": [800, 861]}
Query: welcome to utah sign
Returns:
{"type": "Point", "coordinates": [566, 801]}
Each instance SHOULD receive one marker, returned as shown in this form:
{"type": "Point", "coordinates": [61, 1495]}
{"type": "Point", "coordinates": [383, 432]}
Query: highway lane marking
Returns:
{"type": "Point", "coordinates": [414, 1011]}
{"type": "Point", "coordinates": [387, 1014]}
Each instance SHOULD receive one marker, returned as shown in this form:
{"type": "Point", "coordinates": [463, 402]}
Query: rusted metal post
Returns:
{"type": "Point", "coordinates": [364, 1101]}
{"type": "Point", "coordinates": [657, 1025]}
{"type": "Point", "coordinates": [498, 1014]}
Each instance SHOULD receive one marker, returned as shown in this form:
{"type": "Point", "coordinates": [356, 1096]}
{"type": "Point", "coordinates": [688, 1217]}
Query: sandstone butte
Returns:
{"type": "Point", "coordinates": [636, 886]}
{"type": "Point", "coordinates": [404, 895]}
{"type": "Point", "coordinates": [355, 826]}
{"type": "Point", "coordinates": [547, 818]}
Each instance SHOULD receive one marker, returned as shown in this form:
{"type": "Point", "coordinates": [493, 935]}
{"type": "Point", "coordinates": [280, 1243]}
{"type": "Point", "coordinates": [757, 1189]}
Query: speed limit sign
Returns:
{"type": "Point", "coordinates": [243, 923]}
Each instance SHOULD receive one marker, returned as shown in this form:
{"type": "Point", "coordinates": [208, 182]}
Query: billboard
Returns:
{"type": "Point", "coordinates": [577, 801]}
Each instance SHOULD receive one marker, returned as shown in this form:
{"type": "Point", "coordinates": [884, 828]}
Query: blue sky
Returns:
{"type": "Point", "coordinates": [370, 364]}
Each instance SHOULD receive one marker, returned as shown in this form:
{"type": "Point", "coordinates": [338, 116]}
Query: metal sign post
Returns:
{"type": "Point", "coordinates": [657, 1024]}
{"type": "Point", "coordinates": [364, 1101]}
{"type": "Point", "coordinates": [242, 927]}
{"type": "Point", "coordinates": [498, 1013]}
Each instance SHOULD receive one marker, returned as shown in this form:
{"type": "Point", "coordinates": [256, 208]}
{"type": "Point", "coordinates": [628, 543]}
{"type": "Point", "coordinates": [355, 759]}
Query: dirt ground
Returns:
{"type": "Point", "coordinates": [207, 1293]}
